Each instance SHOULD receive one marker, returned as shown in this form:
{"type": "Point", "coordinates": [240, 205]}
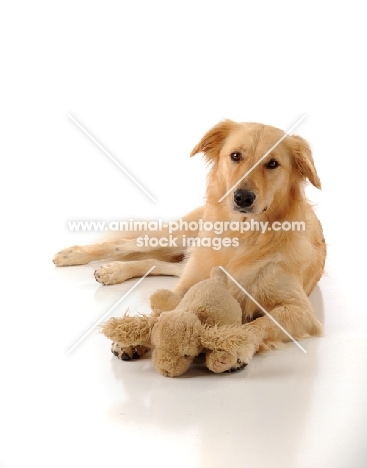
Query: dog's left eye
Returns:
{"type": "Point", "coordinates": [236, 156]}
{"type": "Point", "coordinates": [272, 164]}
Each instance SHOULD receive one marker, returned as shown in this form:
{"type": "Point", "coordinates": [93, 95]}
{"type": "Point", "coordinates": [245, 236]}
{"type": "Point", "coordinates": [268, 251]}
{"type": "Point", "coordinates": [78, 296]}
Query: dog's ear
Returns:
{"type": "Point", "coordinates": [129, 331]}
{"type": "Point", "coordinates": [303, 160]}
{"type": "Point", "coordinates": [212, 141]}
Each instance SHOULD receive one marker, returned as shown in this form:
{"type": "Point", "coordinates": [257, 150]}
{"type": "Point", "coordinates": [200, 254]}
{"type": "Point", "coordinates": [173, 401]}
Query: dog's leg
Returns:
{"type": "Point", "coordinates": [82, 254]}
{"type": "Point", "coordinates": [118, 272]}
{"type": "Point", "coordinates": [281, 295]}
{"type": "Point", "coordinates": [119, 249]}
{"type": "Point", "coordinates": [129, 249]}
{"type": "Point", "coordinates": [263, 334]}
{"type": "Point", "coordinates": [294, 314]}
{"type": "Point", "coordinates": [197, 269]}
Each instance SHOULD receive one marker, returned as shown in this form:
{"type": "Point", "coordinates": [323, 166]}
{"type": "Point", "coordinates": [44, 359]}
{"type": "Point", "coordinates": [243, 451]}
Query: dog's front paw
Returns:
{"type": "Point", "coordinates": [128, 353]}
{"type": "Point", "coordinates": [76, 255]}
{"type": "Point", "coordinates": [222, 361]}
{"type": "Point", "coordinates": [112, 273]}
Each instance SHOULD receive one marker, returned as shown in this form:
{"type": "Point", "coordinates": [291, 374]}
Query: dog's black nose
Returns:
{"type": "Point", "coordinates": [244, 198]}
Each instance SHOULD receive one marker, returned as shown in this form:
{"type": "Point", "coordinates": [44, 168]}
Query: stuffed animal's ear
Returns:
{"type": "Point", "coordinates": [129, 331]}
{"type": "Point", "coordinates": [163, 300]}
{"type": "Point", "coordinates": [226, 337]}
{"type": "Point", "coordinates": [303, 160]}
{"type": "Point", "coordinates": [213, 140]}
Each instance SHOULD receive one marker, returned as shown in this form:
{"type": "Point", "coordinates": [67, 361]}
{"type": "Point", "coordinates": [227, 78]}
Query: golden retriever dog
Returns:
{"type": "Point", "coordinates": [272, 270]}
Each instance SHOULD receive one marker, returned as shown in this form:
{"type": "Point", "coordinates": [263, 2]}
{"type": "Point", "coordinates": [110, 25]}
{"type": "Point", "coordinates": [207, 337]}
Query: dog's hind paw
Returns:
{"type": "Point", "coordinates": [76, 255]}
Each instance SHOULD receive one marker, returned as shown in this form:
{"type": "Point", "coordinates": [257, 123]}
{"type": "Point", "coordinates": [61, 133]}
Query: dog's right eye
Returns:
{"type": "Point", "coordinates": [236, 157]}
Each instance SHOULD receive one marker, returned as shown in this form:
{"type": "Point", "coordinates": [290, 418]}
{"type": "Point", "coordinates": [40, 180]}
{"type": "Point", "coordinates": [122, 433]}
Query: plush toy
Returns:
{"type": "Point", "coordinates": [207, 319]}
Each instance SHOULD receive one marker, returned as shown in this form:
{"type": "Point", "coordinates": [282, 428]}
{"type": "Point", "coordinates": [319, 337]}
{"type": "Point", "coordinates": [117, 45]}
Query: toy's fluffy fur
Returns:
{"type": "Point", "coordinates": [208, 318]}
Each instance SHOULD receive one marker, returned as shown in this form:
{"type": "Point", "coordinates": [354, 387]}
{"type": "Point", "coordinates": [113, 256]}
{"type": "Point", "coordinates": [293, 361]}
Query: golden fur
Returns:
{"type": "Point", "coordinates": [277, 268]}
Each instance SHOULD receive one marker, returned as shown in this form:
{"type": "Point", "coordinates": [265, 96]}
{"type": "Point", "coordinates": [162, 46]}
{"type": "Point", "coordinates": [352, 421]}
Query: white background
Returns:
{"type": "Point", "coordinates": [147, 79]}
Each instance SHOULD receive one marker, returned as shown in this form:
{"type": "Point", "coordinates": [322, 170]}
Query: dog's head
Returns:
{"type": "Point", "coordinates": [255, 164]}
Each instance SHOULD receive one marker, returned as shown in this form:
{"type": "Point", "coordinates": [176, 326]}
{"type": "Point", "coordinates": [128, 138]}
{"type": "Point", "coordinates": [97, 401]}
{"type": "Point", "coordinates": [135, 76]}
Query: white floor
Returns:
{"type": "Point", "coordinates": [147, 80]}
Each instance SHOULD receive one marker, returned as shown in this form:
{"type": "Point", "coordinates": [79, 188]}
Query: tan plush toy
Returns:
{"type": "Point", "coordinates": [207, 319]}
